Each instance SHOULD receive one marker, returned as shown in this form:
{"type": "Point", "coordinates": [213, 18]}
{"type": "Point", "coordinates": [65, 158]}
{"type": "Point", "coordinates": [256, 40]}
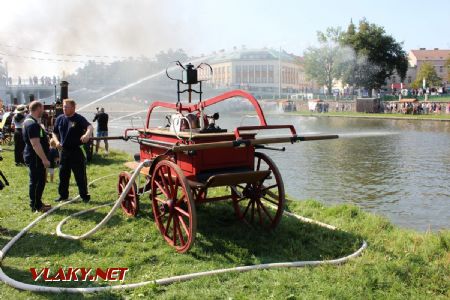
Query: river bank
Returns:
{"type": "Point", "coordinates": [398, 263]}
{"type": "Point", "coordinates": [430, 117]}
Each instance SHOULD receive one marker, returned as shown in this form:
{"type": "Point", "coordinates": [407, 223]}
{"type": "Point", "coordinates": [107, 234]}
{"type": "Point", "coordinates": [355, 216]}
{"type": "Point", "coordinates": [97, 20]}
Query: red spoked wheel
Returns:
{"type": "Point", "coordinates": [173, 206]}
{"type": "Point", "coordinates": [261, 202]}
{"type": "Point", "coordinates": [130, 204]}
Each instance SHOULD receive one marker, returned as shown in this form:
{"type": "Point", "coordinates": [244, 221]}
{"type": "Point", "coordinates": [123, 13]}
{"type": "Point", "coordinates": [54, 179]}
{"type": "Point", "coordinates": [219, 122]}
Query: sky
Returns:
{"type": "Point", "coordinates": [144, 27]}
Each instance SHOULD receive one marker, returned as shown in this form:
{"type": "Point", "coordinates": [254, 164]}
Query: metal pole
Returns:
{"type": "Point", "coordinates": [279, 74]}
{"type": "Point", "coordinates": [7, 74]}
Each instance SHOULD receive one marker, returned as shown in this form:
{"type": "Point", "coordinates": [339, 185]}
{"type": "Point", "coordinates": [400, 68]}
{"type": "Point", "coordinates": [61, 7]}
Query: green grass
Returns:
{"type": "Point", "coordinates": [440, 117]}
{"type": "Point", "coordinates": [398, 264]}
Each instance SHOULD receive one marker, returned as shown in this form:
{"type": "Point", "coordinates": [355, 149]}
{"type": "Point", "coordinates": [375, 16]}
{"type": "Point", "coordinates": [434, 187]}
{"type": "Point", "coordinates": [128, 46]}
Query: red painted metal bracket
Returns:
{"type": "Point", "coordinates": [201, 105]}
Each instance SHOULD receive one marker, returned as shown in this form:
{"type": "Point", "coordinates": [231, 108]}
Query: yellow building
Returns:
{"type": "Point", "coordinates": [264, 72]}
{"type": "Point", "coordinates": [436, 57]}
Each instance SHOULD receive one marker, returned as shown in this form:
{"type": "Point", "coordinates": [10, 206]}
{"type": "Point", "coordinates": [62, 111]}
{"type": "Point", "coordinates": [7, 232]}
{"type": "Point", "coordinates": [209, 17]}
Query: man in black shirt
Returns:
{"type": "Point", "coordinates": [35, 155]}
{"type": "Point", "coordinates": [102, 128]}
{"type": "Point", "coordinates": [70, 132]}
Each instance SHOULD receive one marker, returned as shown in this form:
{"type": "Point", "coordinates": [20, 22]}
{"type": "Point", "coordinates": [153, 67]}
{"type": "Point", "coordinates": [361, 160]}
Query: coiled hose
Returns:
{"type": "Point", "coordinates": [163, 281]}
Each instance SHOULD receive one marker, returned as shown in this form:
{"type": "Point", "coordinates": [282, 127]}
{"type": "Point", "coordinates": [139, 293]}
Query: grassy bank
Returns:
{"type": "Point", "coordinates": [398, 264]}
{"type": "Point", "coordinates": [440, 117]}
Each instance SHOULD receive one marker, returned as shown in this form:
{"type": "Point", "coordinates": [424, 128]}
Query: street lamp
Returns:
{"type": "Point", "coordinates": [279, 74]}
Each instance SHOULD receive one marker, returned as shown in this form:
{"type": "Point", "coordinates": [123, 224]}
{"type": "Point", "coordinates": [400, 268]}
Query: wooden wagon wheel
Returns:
{"type": "Point", "coordinates": [261, 202]}
{"type": "Point", "coordinates": [130, 204]}
{"type": "Point", "coordinates": [173, 205]}
{"type": "Point", "coordinates": [7, 139]}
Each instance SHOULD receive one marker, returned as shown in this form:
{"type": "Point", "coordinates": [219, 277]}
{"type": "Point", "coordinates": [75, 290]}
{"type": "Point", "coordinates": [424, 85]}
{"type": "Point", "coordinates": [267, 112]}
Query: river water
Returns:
{"type": "Point", "coordinates": [396, 168]}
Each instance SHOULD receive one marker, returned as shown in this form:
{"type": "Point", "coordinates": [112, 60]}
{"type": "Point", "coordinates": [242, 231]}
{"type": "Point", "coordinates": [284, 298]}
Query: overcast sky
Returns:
{"type": "Point", "coordinates": [144, 27]}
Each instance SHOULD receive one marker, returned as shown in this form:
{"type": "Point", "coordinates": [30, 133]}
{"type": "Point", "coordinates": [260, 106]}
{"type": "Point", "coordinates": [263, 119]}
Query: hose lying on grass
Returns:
{"type": "Point", "coordinates": [163, 281]}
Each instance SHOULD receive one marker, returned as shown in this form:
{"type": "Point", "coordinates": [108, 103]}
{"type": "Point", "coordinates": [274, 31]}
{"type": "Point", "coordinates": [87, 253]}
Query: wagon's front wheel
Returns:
{"type": "Point", "coordinates": [261, 202]}
{"type": "Point", "coordinates": [130, 204]}
{"type": "Point", "coordinates": [173, 206]}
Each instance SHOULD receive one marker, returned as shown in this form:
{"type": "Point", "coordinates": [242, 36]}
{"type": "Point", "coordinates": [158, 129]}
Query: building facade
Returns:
{"type": "Point", "coordinates": [266, 73]}
{"type": "Point", "coordinates": [436, 57]}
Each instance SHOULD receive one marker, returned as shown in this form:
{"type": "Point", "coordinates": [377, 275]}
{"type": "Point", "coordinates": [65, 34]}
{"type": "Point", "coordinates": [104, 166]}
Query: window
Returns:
{"type": "Point", "coordinates": [251, 74]}
{"type": "Point", "coordinates": [264, 74]}
{"type": "Point", "coordinates": [257, 73]}
{"type": "Point", "coordinates": [270, 80]}
{"type": "Point", "coordinates": [238, 74]}
{"type": "Point", "coordinates": [441, 69]}
{"type": "Point", "coordinates": [245, 74]}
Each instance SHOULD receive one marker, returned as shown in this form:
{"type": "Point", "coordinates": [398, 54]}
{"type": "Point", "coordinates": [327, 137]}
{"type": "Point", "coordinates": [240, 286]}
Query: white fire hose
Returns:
{"type": "Point", "coordinates": [163, 281]}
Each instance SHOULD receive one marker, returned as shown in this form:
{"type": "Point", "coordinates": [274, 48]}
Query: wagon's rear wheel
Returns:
{"type": "Point", "coordinates": [130, 204]}
{"type": "Point", "coordinates": [261, 202]}
{"type": "Point", "coordinates": [173, 206]}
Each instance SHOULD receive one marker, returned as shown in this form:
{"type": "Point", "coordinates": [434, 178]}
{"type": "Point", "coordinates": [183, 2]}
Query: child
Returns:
{"type": "Point", "coordinates": [53, 157]}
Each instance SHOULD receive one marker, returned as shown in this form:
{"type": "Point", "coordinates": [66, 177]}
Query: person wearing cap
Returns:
{"type": "Point", "coordinates": [19, 145]}
{"type": "Point", "coordinates": [35, 155]}
{"type": "Point", "coordinates": [70, 132]}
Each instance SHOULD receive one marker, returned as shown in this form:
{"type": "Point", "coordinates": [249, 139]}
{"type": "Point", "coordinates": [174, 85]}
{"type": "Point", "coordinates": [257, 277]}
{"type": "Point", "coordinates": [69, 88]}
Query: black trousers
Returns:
{"type": "Point", "coordinates": [19, 146]}
{"type": "Point", "coordinates": [72, 161]}
{"type": "Point", "coordinates": [37, 183]}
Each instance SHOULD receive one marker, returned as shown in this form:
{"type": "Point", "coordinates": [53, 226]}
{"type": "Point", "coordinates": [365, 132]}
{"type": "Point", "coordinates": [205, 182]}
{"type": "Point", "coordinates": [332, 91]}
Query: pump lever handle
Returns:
{"type": "Point", "coordinates": [178, 63]}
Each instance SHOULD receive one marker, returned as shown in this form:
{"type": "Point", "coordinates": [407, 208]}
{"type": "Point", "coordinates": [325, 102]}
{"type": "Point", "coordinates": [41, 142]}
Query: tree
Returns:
{"type": "Point", "coordinates": [360, 72]}
{"type": "Point", "coordinates": [326, 63]}
{"type": "Point", "coordinates": [122, 72]}
{"type": "Point", "coordinates": [379, 50]}
{"type": "Point", "coordinates": [428, 73]}
{"type": "Point", "coordinates": [163, 58]}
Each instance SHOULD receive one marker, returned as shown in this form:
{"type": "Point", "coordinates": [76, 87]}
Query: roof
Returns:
{"type": "Point", "coordinates": [254, 54]}
{"type": "Point", "coordinates": [436, 54]}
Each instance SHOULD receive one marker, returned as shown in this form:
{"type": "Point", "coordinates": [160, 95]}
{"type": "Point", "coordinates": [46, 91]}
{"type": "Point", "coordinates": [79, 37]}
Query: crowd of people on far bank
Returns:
{"type": "Point", "coordinates": [324, 107]}
{"type": "Point", "coordinates": [415, 108]}
{"type": "Point", "coordinates": [392, 107]}
{"type": "Point", "coordinates": [63, 149]}
{"type": "Point", "coordinates": [34, 80]}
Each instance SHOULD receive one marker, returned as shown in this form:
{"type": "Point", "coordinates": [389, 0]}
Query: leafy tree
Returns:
{"type": "Point", "coordinates": [326, 63]}
{"type": "Point", "coordinates": [360, 71]}
{"type": "Point", "coordinates": [428, 72]}
{"type": "Point", "coordinates": [380, 51]}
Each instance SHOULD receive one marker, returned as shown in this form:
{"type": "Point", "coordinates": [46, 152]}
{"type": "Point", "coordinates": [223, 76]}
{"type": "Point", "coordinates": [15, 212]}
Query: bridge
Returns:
{"type": "Point", "coordinates": [19, 94]}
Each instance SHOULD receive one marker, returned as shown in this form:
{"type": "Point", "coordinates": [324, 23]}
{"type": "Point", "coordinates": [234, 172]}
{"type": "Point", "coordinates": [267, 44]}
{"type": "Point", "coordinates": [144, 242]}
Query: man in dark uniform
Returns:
{"type": "Point", "coordinates": [102, 128]}
{"type": "Point", "coordinates": [35, 155]}
{"type": "Point", "coordinates": [70, 132]}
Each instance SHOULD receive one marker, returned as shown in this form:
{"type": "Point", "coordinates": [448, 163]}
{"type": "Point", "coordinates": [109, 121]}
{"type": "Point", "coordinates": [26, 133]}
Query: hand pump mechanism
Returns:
{"type": "Point", "coordinates": [189, 77]}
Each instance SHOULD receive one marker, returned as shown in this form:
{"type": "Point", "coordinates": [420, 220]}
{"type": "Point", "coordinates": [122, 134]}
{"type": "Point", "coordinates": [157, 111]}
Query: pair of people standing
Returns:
{"type": "Point", "coordinates": [19, 146]}
{"type": "Point", "coordinates": [70, 132]}
{"type": "Point", "coordinates": [102, 128]}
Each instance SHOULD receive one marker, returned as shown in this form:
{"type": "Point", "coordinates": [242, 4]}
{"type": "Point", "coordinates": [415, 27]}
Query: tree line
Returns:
{"type": "Point", "coordinates": [94, 74]}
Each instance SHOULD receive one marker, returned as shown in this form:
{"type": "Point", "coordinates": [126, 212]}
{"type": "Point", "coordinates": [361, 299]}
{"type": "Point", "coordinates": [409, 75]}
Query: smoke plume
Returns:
{"type": "Point", "coordinates": [100, 27]}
